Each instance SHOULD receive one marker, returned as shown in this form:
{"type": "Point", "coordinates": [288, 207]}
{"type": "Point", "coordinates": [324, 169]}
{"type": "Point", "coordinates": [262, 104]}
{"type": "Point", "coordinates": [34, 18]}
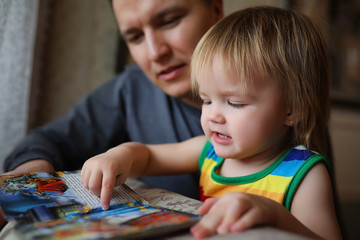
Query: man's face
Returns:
{"type": "Point", "coordinates": [162, 35]}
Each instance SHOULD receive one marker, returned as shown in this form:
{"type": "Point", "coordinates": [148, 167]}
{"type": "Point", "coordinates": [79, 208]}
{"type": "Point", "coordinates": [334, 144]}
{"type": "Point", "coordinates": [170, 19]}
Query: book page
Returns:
{"type": "Point", "coordinates": [121, 194]}
{"type": "Point", "coordinates": [36, 193]}
{"type": "Point", "coordinates": [49, 205]}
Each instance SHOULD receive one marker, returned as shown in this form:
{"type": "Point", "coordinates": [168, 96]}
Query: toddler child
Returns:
{"type": "Point", "coordinates": [262, 74]}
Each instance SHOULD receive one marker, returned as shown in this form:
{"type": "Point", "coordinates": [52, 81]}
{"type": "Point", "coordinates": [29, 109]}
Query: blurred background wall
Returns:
{"type": "Point", "coordinates": [53, 52]}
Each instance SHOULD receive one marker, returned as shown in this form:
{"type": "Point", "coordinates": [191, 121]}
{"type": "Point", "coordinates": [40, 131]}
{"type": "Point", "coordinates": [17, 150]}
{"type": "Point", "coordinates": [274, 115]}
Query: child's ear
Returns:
{"type": "Point", "coordinates": [290, 118]}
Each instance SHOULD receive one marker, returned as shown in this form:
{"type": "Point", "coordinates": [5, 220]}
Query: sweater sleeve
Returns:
{"type": "Point", "coordinates": [94, 124]}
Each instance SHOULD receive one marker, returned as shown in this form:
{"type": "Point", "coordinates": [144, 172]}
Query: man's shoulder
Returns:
{"type": "Point", "coordinates": [133, 78]}
{"type": "Point", "coordinates": [133, 70]}
{"type": "Point", "coordinates": [132, 75]}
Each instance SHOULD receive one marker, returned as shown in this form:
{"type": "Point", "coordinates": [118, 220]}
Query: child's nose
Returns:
{"type": "Point", "coordinates": [216, 115]}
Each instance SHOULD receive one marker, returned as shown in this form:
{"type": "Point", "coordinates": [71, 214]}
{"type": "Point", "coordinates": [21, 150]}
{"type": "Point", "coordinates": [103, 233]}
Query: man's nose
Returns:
{"type": "Point", "coordinates": [156, 46]}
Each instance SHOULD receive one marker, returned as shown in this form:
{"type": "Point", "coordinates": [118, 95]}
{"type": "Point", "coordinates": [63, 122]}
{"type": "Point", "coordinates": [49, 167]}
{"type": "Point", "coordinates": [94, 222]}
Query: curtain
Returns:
{"type": "Point", "coordinates": [17, 32]}
{"type": "Point", "coordinates": [52, 52]}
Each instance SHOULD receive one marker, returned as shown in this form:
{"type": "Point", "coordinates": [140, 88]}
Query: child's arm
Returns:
{"type": "Point", "coordinates": [312, 212]}
{"type": "Point", "coordinates": [103, 172]}
{"type": "Point", "coordinates": [313, 204]}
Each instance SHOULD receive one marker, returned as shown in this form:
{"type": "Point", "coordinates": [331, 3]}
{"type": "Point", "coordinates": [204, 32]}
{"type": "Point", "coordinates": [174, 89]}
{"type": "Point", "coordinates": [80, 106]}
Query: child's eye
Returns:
{"type": "Point", "coordinates": [236, 104]}
{"type": "Point", "coordinates": [206, 102]}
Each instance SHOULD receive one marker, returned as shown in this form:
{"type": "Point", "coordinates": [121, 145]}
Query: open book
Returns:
{"type": "Point", "coordinates": [57, 206]}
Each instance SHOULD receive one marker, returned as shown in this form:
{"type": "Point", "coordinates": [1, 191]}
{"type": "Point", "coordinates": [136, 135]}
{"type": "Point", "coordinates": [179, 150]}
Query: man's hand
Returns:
{"type": "Point", "coordinates": [38, 165]}
{"type": "Point", "coordinates": [2, 221]}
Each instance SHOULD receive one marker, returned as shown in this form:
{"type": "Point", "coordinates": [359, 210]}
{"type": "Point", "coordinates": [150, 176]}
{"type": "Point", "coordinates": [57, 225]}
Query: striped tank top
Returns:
{"type": "Point", "coordinates": [278, 182]}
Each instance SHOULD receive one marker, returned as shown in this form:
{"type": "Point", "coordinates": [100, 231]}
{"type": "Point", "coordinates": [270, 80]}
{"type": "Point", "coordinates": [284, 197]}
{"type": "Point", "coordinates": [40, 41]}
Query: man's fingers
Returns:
{"type": "Point", "coordinates": [2, 221]}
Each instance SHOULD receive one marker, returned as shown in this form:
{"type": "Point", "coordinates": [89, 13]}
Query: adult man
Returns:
{"type": "Point", "coordinates": [161, 36]}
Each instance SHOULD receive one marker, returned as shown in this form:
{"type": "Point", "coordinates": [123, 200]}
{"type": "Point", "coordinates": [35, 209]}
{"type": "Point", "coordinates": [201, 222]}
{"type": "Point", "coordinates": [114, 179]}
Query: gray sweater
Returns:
{"type": "Point", "coordinates": [127, 108]}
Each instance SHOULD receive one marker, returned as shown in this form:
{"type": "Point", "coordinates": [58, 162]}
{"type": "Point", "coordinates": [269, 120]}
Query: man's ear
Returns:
{"type": "Point", "coordinates": [218, 6]}
{"type": "Point", "coordinates": [290, 118]}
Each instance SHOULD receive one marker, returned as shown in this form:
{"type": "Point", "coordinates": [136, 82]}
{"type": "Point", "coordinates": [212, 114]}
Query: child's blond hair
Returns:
{"type": "Point", "coordinates": [285, 48]}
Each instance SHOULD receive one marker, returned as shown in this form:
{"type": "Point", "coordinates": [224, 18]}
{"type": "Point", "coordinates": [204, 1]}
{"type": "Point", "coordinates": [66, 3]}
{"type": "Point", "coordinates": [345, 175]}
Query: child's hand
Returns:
{"type": "Point", "coordinates": [103, 172]}
{"type": "Point", "coordinates": [234, 212]}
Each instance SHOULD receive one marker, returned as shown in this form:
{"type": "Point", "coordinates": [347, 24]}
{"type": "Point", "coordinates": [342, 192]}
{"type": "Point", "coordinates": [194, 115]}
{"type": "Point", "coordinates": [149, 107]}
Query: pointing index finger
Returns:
{"type": "Point", "coordinates": [106, 192]}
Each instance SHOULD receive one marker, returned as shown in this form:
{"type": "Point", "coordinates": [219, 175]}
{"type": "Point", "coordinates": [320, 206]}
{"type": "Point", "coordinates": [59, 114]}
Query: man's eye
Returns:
{"type": "Point", "coordinates": [170, 21]}
{"type": "Point", "coordinates": [134, 38]}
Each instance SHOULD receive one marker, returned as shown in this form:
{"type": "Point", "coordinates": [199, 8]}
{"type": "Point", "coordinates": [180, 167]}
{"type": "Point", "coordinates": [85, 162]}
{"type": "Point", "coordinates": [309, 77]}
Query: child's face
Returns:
{"type": "Point", "coordinates": [241, 125]}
